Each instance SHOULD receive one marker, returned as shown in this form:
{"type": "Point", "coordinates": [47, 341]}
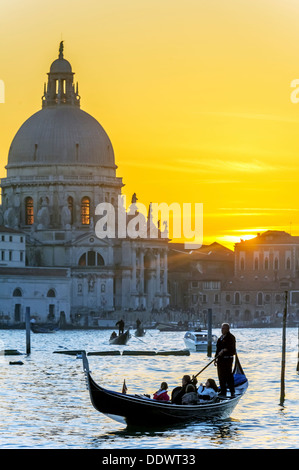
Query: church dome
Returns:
{"type": "Point", "coordinates": [61, 66]}
{"type": "Point", "coordinates": [61, 135]}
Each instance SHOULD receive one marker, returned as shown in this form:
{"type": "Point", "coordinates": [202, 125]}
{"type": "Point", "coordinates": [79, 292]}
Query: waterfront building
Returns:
{"type": "Point", "coordinates": [196, 278]}
{"type": "Point", "coordinates": [266, 266]}
{"type": "Point", "coordinates": [12, 248]}
{"type": "Point", "coordinates": [245, 287]}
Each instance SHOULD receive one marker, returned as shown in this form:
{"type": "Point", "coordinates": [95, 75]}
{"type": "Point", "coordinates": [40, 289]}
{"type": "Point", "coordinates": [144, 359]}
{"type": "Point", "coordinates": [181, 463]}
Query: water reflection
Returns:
{"type": "Point", "coordinates": [44, 403]}
{"type": "Point", "coordinates": [217, 432]}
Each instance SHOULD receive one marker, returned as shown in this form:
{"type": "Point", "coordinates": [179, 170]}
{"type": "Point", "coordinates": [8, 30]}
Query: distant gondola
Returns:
{"type": "Point", "coordinates": [172, 326]}
{"type": "Point", "coordinates": [140, 410]}
{"type": "Point", "coordinates": [43, 328]}
{"type": "Point", "coordinates": [140, 331]}
{"type": "Point", "coordinates": [120, 339]}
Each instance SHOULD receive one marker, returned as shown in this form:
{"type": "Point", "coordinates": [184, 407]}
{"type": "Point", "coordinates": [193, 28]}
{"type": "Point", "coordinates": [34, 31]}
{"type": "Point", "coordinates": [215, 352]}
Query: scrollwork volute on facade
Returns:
{"type": "Point", "coordinates": [43, 215]}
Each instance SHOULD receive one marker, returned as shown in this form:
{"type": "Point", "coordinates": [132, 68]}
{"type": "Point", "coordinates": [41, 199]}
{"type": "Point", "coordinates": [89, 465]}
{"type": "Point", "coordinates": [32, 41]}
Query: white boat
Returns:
{"type": "Point", "coordinates": [198, 340]}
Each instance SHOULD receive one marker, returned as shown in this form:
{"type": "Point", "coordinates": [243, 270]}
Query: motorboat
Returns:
{"type": "Point", "coordinates": [197, 340]}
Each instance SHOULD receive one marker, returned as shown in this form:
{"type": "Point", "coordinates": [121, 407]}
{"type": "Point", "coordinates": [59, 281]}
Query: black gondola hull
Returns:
{"type": "Point", "coordinates": [121, 339]}
{"type": "Point", "coordinates": [140, 332]}
{"type": "Point", "coordinates": [142, 411]}
{"type": "Point", "coordinates": [43, 329]}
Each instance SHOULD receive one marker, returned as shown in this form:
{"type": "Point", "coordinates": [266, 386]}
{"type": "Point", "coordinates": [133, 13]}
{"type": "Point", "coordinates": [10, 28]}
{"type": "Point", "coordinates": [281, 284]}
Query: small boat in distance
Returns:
{"type": "Point", "coordinates": [172, 326]}
{"type": "Point", "coordinates": [140, 410]}
{"type": "Point", "coordinates": [140, 331]}
{"type": "Point", "coordinates": [120, 339]}
{"type": "Point", "coordinates": [43, 328]}
{"type": "Point", "coordinates": [197, 340]}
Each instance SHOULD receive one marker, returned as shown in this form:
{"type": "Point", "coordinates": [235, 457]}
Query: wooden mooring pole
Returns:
{"type": "Point", "coordinates": [209, 349]}
{"type": "Point", "coordinates": [298, 352]}
{"type": "Point", "coordinates": [27, 322]}
{"type": "Point", "coordinates": [283, 353]}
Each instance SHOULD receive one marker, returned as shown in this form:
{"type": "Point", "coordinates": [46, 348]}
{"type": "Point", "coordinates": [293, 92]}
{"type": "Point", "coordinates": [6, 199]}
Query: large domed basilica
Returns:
{"type": "Point", "coordinates": [60, 166]}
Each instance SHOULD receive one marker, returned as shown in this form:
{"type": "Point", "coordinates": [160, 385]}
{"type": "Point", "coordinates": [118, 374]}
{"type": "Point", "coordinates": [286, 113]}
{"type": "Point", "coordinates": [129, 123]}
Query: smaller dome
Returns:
{"type": "Point", "coordinates": [61, 66]}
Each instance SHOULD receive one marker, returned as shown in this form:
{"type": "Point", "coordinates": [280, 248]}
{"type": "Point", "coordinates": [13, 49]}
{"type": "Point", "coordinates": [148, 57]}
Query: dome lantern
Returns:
{"type": "Point", "coordinates": [60, 89]}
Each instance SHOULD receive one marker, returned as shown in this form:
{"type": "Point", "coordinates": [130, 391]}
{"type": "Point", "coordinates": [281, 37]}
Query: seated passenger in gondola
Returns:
{"type": "Point", "coordinates": [179, 392]}
{"type": "Point", "coordinates": [161, 394]}
{"type": "Point", "coordinates": [113, 335]}
{"type": "Point", "coordinates": [207, 392]}
{"type": "Point", "coordinates": [190, 397]}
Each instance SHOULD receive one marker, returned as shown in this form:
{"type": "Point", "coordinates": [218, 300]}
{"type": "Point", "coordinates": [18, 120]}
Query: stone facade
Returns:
{"type": "Point", "coordinates": [245, 287]}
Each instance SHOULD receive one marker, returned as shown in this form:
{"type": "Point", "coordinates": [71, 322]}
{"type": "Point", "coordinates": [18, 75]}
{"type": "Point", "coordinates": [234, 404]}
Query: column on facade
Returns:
{"type": "Point", "coordinates": [158, 272]}
{"type": "Point", "coordinates": [134, 276]}
{"type": "Point", "coordinates": [150, 283]}
{"type": "Point", "coordinates": [141, 277]}
{"type": "Point", "coordinates": [165, 280]}
{"type": "Point", "coordinates": [126, 297]}
{"type": "Point", "coordinates": [165, 272]}
{"type": "Point", "coordinates": [158, 279]}
{"type": "Point", "coordinates": [141, 266]}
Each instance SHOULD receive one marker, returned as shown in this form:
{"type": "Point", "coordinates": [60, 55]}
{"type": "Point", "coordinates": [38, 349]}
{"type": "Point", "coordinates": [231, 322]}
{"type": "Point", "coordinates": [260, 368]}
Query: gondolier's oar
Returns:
{"type": "Point", "coordinates": [206, 366]}
{"type": "Point", "coordinates": [140, 339]}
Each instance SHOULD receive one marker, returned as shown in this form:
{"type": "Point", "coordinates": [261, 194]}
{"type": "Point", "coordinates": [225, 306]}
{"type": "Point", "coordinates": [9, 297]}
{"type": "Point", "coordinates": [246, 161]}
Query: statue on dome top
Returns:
{"type": "Point", "coordinates": [61, 50]}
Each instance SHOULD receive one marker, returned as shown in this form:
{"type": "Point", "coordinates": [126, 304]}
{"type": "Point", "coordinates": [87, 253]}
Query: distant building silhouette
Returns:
{"type": "Point", "coordinates": [245, 287]}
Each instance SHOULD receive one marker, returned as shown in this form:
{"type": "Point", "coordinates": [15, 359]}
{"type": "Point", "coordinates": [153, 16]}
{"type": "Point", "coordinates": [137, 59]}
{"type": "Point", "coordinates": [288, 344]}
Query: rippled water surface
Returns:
{"type": "Point", "coordinates": [45, 404]}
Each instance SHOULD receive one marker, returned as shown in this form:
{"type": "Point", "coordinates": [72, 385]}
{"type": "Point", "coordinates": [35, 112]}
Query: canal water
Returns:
{"type": "Point", "coordinates": [45, 404]}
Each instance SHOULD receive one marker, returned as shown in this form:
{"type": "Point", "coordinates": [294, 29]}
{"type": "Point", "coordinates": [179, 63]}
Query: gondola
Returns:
{"type": "Point", "coordinates": [139, 410]}
{"type": "Point", "coordinates": [140, 331]}
{"type": "Point", "coordinates": [43, 329]}
{"type": "Point", "coordinates": [172, 326]}
{"type": "Point", "coordinates": [120, 339]}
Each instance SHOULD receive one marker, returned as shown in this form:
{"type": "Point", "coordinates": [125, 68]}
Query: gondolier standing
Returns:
{"type": "Point", "coordinates": [121, 326]}
{"type": "Point", "coordinates": [225, 351]}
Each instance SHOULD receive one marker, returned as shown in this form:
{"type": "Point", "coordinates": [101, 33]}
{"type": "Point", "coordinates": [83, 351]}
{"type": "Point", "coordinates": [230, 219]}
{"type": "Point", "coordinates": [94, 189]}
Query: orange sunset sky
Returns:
{"type": "Point", "coordinates": [195, 96]}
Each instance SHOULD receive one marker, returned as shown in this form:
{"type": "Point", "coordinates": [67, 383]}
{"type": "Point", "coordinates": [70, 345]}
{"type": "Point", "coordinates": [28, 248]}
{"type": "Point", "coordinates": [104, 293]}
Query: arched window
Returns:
{"type": "Point", "coordinates": [256, 264]}
{"type": "Point", "coordinates": [85, 211]}
{"type": "Point", "coordinates": [242, 264]}
{"type": "Point", "coordinates": [276, 263]}
{"type": "Point", "coordinates": [260, 298]}
{"type": "Point", "coordinates": [17, 292]}
{"type": "Point", "coordinates": [51, 293]}
{"type": "Point", "coordinates": [82, 260]}
{"type": "Point", "coordinates": [91, 258]}
{"type": "Point", "coordinates": [237, 298]}
{"type": "Point", "coordinates": [266, 263]}
{"type": "Point", "coordinates": [29, 211]}
{"type": "Point", "coordinates": [70, 204]}
{"type": "Point", "coordinates": [100, 260]}
{"type": "Point", "coordinates": [288, 263]}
